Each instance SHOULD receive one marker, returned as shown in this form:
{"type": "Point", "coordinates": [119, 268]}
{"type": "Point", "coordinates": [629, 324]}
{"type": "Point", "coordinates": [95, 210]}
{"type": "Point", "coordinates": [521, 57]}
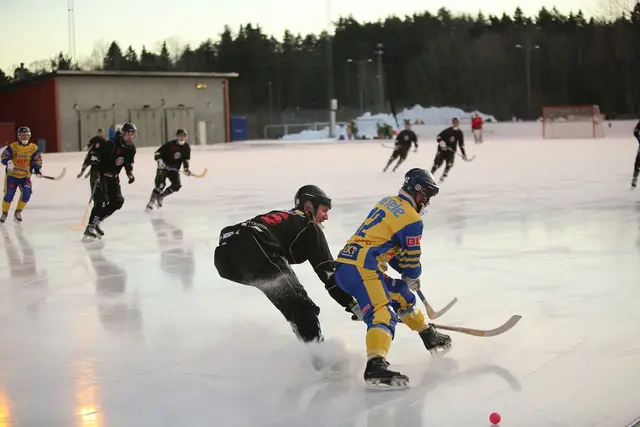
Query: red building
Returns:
{"type": "Point", "coordinates": [31, 103]}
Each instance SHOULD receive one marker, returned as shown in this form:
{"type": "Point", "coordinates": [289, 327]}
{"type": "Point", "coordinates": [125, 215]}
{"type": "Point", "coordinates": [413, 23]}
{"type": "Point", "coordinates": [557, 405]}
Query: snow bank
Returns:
{"type": "Point", "coordinates": [367, 124]}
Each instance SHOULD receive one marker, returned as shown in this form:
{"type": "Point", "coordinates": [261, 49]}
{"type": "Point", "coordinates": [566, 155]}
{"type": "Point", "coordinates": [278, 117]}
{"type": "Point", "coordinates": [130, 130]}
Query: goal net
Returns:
{"type": "Point", "coordinates": [573, 121]}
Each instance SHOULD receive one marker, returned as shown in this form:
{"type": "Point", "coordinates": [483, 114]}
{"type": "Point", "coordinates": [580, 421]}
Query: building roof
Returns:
{"type": "Point", "coordinates": [61, 73]}
{"type": "Point", "coordinates": [141, 74]}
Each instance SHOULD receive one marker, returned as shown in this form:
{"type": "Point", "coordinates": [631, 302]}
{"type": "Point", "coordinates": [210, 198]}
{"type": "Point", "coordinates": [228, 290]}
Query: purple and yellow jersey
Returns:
{"type": "Point", "coordinates": [390, 235]}
{"type": "Point", "coordinates": [25, 159]}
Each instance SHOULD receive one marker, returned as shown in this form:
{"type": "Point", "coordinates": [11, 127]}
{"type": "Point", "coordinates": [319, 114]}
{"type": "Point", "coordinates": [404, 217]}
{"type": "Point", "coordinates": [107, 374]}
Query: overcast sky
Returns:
{"type": "Point", "coordinates": [33, 30]}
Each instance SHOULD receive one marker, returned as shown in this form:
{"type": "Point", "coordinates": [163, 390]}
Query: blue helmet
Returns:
{"type": "Point", "coordinates": [421, 186]}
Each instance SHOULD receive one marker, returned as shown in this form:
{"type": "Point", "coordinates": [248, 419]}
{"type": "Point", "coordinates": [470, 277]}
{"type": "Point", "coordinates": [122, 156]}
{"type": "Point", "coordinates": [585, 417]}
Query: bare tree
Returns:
{"type": "Point", "coordinates": [95, 60]}
{"type": "Point", "coordinates": [176, 47]}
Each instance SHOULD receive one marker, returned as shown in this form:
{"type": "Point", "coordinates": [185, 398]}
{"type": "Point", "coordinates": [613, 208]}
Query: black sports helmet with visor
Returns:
{"type": "Point", "coordinates": [421, 186]}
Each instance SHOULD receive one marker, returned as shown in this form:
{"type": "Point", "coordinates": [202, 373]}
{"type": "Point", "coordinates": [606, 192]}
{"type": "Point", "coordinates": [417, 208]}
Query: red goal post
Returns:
{"type": "Point", "coordinates": [572, 121]}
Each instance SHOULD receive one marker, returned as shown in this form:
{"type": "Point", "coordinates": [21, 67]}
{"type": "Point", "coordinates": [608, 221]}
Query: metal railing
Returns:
{"type": "Point", "coordinates": [278, 131]}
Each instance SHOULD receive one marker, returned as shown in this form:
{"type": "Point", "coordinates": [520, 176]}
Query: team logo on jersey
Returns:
{"type": "Point", "coordinates": [176, 155]}
{"type": "Point", "coordinates": [452, 139]}
{"type": "Point", "coordinates": [119, 161]}
{"type": "Point", "coordinates": [414, 240]}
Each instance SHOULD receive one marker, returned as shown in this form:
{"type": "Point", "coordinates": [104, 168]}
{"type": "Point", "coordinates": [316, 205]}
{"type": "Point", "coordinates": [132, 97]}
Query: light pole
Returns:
{"type": "Point", "coordinates": [270, 103]}
{"type": "Point", "coordinates": [380, 52]}
{"type": "Point", "coordinates": [527, 65]}
{"type": "Point", "coordinates": [330, 92]}
{"type": "Point", "coordinates": [362, 78]}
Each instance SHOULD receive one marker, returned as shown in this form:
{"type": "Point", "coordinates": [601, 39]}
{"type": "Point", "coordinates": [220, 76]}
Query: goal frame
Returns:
{"type": "Point", "coordinates": [595, 121]}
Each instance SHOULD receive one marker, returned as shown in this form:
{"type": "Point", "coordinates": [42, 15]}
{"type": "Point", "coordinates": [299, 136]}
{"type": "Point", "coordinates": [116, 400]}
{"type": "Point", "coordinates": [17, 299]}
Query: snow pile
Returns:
{"type": "Point", "coordinates": [367, 124]}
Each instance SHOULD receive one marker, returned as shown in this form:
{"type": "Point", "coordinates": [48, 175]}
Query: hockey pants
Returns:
{"type": "Point", "coordinates": [11, 185]}
{"type": "Point", "coordinates": [251, 258]}
{"type": "Point", "coordinates": [382, 300]}
{"type": "Point", "coordinates": [443, 156]}
{"type": "Point", "coordinates": [107, 197]}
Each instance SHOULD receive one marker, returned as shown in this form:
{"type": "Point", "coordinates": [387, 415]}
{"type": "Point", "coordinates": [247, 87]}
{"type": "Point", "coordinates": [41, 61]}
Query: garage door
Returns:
{"type": "Point", "coordinates": [149, 124]}
{"type": "Point", "coordinates": [184, 118]}
{"type": "Point", "coordinates": [91, 121]}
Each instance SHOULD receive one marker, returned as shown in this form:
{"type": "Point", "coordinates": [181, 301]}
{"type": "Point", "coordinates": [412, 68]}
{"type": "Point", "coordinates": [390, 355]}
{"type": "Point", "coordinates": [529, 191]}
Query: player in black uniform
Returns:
{"type": "Point", "coordinates": [258, 252]}
{"type": "Point", "coordinates": [403, 143]}
{"type": "Point", "coordinates": [448, 142]}
{"type": "Point", "coordinates": [636, 166]}
{"type": "Point", "coordinates": [170, 156]}
{"type": "Point", "coordinates": [107, 160]}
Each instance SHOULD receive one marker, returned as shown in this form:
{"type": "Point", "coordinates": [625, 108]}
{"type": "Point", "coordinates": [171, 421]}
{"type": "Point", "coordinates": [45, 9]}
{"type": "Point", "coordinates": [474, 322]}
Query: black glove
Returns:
{"type": "Point", "coordinates": [354, 309]}
{"type": "Point", "coordinates": [131, 177]}
{"type": "Point", "coordinates": [38, 173]}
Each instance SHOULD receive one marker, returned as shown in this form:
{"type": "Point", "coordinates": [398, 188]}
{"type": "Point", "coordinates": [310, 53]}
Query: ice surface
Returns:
{"type": "Point", "coordinates": [140, 330]}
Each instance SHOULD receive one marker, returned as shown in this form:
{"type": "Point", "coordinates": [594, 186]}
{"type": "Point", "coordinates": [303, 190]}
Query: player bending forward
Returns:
{"type": "Point", "coordinates": [20, 158]}
{"type": "Point", "coordinates": [391, 234]}
{"type": "Point", "coordinates": [170, 156]}
{"type": "Point", "coordinates": [402, 146]}
{"type": "Point", "coordinates": [258, 252]}
{"type": "Point", "coordinates": [636, 166]}
{"type": "Point", "coordinates": [107, 160]}
{"type": "Point", "coordinates": [448, 142]}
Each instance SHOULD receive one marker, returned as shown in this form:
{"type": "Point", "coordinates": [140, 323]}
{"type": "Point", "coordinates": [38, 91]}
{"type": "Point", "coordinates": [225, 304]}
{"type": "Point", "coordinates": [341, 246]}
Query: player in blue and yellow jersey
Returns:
{"type": "Point", "coordinates": [390, 235]}
{"type": "Point", "coordinates": [21, 158]}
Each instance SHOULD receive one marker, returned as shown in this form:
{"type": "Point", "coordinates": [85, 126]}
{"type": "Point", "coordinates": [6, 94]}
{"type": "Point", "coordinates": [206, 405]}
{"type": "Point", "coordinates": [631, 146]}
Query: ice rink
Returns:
{"type": "Point", "coordinates": [139, 330]}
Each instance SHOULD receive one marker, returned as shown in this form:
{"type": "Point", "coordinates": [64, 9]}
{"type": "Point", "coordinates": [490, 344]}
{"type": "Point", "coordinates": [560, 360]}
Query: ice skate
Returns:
{"type": "Point", "coordinates": [437, 343]}
{"type": "Point", "coordinates": [149, 206]}
{"type": "Point", "coordinates": [98, 230]}
{"type": "Point", "coordinates": [377, 376]}
{"type": "Point", "coordinates": [17, 217]}
{"type": "Point", "coordinates": [634, 182]}
{"type": "Point", "coordinates": [159, 201]}
{"type": "Point", "coordinates": [90, 234]}
{"type": "Point", "coordinates": [442, 178]}
{"type": "Point", "coordinates": [3, 217]}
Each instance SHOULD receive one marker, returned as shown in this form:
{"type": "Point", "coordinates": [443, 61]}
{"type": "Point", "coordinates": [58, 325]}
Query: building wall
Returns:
{"type": "Point", "coordinates": [82, 93]}
{"type": "Point", "coordinates": [33, 104]}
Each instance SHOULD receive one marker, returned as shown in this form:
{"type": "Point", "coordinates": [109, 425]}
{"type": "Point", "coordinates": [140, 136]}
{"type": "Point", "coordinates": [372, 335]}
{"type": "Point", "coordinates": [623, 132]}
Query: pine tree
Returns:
{"type": "Point", "coordinates": [113, 60]}
{"type": "Point", "coordinates": [131, 59]}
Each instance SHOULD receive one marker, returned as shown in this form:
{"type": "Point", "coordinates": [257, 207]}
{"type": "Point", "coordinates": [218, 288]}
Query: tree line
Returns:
{"type": "Point", "coordinates": [509, 65]}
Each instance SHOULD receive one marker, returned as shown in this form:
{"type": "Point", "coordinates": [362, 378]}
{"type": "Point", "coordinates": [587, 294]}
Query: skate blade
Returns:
{"type": "Point", "coordinates": [381, 385]}
{"type": "Point", "coordinates": [440, 351]}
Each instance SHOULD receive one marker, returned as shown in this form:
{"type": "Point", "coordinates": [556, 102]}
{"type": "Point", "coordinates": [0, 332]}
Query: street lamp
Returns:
{"type": "Point", "coordinates": [362, 78]}
{"type": "Point", "coordinates": [379, 52]}
{"type": "Point", "coordinates": [270, 103]}
{"type": "Point", "coordinates": [527, 65]}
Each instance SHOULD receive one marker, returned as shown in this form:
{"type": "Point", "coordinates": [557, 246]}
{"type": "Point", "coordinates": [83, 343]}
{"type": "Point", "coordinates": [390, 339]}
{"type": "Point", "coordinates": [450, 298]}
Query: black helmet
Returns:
{"type": "Point", "coordinates": [313, 194]}
{"type": "Point", "coordinates": [181, 131]}
{"type": "Point", "coordinates": [128, 127]}
{"type": "Point", "coordinates": [420, 181]}
{"type": "Point", "coordinates": [128, 133]}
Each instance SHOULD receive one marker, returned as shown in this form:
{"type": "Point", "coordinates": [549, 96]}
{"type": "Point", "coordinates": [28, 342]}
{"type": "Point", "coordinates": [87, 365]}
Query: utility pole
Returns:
{"type": "Point", "coordinates": [379, 52]}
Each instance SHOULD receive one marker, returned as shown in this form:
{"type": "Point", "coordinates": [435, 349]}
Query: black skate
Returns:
{"type": "Point", "coordinates": [149, 205]}
{"type": "Point", "coordinates": [435, 342]}
{"type": "Point", "coordinates": [98, 230]}
{"type": "Point", "coordinates": [90, 234]}
{"type": "Point", "coordinates": [3, 217]}
{"type": "Point", "coordinates": [377, 376]}
{"type": "Point", "coordinates": [159, 201]}
{"type": "Point", "coordinates": [17, 216]}
{"type": "Point", "coordinates": [634, 182]}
